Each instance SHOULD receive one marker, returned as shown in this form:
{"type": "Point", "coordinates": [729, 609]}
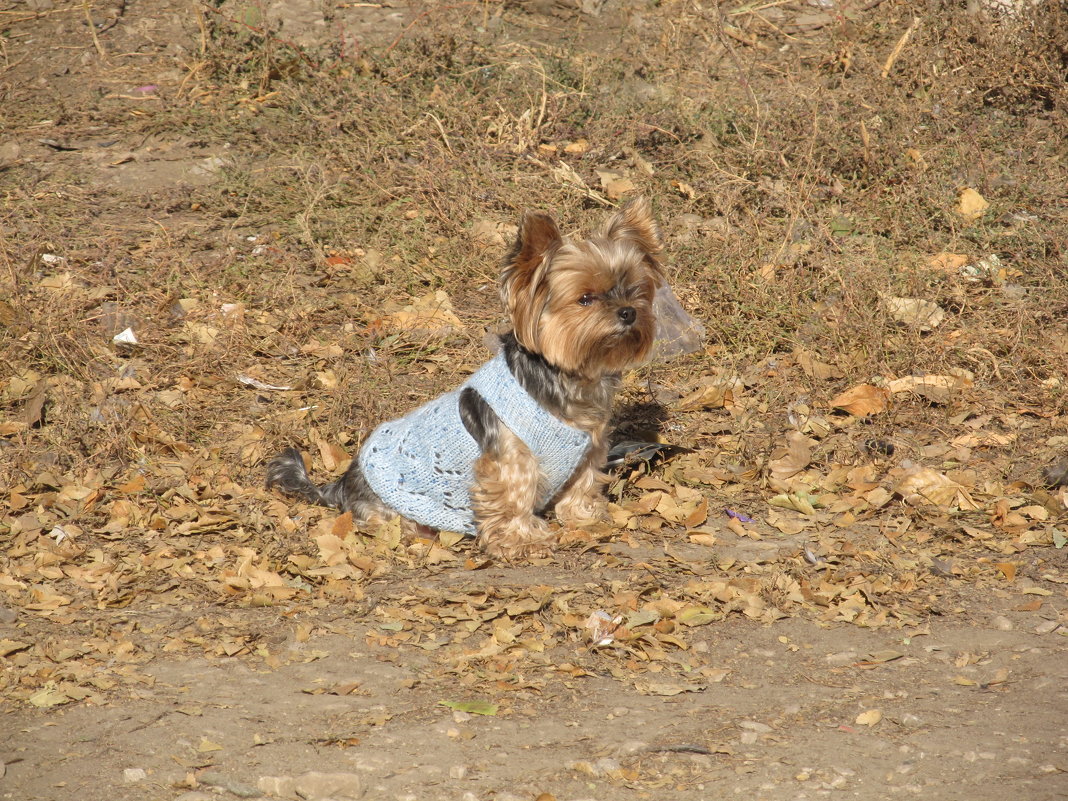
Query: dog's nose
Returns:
{"type": "Point", "coordinates": [627, 315]}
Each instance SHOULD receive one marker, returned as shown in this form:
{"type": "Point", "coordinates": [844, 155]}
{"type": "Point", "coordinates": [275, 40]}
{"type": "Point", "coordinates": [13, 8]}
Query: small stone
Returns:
{"type": "Point", "coordinates": [1002, 623]}
{"type": "Point", "coordinates": [131, 775]}
{"type": "Point", "coordinates": [630, 747]}
{"type": "Point", "coordinates": [231, 786]}
{"type": "Point", "coordinates": [458, 772]}
{"type": "Point", "coordinates": [10, 615]}
{"type": "Point", "coordinates": [841, 658]}
{"type": "Point", "coordinates": [752, 725]}
{"type": "Point", "coordinates": [276, 785]}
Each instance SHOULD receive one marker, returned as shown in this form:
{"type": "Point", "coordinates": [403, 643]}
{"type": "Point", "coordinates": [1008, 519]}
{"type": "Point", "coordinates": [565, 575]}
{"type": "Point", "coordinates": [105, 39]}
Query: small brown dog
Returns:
{"type": "Point", "coordinates": [529, 429]}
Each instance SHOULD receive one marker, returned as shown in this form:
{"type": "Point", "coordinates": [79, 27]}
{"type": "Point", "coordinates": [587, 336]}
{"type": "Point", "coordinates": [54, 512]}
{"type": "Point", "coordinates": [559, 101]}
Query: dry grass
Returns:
{"type": "Point", "coordinates": [796, 156]}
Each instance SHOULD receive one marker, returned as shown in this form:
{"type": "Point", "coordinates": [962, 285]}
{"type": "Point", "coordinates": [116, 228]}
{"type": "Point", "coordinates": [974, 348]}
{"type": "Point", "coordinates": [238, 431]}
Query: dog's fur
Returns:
{"type": "Point", "coordinates": [581, 311]}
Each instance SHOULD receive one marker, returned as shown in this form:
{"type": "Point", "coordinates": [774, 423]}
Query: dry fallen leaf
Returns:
{"type": "Point", "coordinates": [971, 205]}
{"type": "Point", "coordinates": [936, 388]}
{"type": "Point", "coordinates": [869, 718]}
{"type": "Point", "coordinates": [795, 457]}
{"type": "Point", "coordinates": [925, 484]}
{"type": "Point", "coordinates": [862, 400]}
{"type": "Point", "coordinates": [615, 183]}
{"type": "Point", "coordinates": [715, 393]}
{"type": "Point", "coordinates": [948, 262]}
{"type": "Point", "coordinates": [917, 313]}
{"type": "Point", "coordinates": [430, 314]}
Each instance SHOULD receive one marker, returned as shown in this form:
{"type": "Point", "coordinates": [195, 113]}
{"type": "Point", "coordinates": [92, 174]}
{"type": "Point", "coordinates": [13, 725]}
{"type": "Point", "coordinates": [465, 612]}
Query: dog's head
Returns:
{"type": "Point", "coordinates": [585, 305]}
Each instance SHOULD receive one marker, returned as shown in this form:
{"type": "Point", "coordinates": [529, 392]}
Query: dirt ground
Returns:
{"type": "Point", "coordinates": [235, 226]}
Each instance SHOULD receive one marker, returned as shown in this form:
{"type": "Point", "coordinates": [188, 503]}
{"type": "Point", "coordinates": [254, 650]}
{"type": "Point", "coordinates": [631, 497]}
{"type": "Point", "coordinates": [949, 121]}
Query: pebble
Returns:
{"type": "Point", "coordinates": [232, 786]}
{"type": "Point", "coordinates": [1045, 627]}
{"type": "Point", "coordinates": [8, 615]}
{"type": "Point", "coordinates": [1002, 623]}
{"type": "Point", "coordinates": [458, 772]}
{"type": "Point", "coordinates": [131, 775]}
{"type": "Point", "coordinates": [631, 747]}
{"type": "Point", "coordinates": [752, 725]}
{"type": "Point", "coordinates": [841, 658]}
{"type": "Point", "coordinates": [313, 785]}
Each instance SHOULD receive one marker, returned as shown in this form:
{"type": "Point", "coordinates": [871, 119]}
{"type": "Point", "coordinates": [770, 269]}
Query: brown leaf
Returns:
{"type": "Point", "coordinates": [936, 388]}
{"type": "Point", "coordinates": [429, 315]}
{"type": "Point", "coordinates": [862, 400]}
{"type": "Point", "coordinates": [1007, 569]}
{"type": "Point", "coordinates": [33, 409]}
{"type": "Point", "coordinates": [923, 483]}
{"type": "Point", "coordinates": [948, 262]}
{"type": "Point", "coordinates": [795, 457]}
{"type": "Point", "coordinates": [717, 394]}
{"type": "Point", "coordinates": [814, 368]}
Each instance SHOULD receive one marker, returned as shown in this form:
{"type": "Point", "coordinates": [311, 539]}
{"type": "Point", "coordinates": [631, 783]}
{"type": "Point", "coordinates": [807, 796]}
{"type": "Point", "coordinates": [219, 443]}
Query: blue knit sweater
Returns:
{"type": "Point", "coordinates": [422, 465]}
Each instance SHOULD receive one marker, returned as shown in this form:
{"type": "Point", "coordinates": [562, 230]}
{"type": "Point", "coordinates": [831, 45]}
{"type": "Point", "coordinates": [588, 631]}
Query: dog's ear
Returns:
{"type": "Point", "coordinates": [526, 262]}
{"type": "Point", "coordinates": [634, 222]}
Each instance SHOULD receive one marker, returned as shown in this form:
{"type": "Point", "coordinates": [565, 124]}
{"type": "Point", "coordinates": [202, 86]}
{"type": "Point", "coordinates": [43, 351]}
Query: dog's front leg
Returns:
{"type": "Point", "coordinates": [582, 500]}
{"type": "Point", "coordinates": [507, 487]}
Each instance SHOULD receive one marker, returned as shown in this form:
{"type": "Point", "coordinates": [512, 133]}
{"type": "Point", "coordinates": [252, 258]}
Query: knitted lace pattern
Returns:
{"type": "Point", "coordinates": [422, 465]}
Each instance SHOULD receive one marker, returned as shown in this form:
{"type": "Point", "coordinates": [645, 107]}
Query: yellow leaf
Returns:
{"type": "Point", "coordinates": [971, 205]}
{"type": "Point", "coordinates": [698, 616]}
{"type": "Point", "coordinates": [869, 718]}
{"type": "Point", "coordinates": [207, 745]}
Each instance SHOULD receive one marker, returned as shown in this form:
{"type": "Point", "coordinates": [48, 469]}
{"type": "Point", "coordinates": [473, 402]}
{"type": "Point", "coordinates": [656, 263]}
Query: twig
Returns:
{"type": "Point", "coordinates": [890, 59]}
{"type": "Point", "coordinates": [441, 129]}
{"type": "Point", "coordinates": [92, 29]}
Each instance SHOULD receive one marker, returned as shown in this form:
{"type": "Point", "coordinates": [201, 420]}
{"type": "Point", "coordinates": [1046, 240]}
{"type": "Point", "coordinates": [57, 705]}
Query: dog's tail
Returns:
{"type": "Point", "coordinates": [286, 471]}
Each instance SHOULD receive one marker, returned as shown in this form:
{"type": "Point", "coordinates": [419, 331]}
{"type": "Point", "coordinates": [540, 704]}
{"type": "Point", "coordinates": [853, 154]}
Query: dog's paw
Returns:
{"type": "Point", "coordinates": [525, 538]}
{"type": "Point", "coordinates": [582, 511]}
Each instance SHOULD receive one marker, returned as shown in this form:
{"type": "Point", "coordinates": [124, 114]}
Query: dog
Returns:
{"type": "Point", "coordinates": [528, 430]}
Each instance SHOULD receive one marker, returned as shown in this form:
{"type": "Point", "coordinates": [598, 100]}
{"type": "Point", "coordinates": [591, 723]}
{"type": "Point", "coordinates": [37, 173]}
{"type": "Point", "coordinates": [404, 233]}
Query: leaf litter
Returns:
{"type": "Point", "coordinates": [779, 509]}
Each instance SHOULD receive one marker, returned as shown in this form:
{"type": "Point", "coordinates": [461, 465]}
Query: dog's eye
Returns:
{"type": "Point", "coordinates": [587, 299]}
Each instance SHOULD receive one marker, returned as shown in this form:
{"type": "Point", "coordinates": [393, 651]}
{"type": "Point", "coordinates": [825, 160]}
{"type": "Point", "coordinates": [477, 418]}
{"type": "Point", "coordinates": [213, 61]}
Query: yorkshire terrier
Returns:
{"type": "Point", "coordinates": [528, 430]}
